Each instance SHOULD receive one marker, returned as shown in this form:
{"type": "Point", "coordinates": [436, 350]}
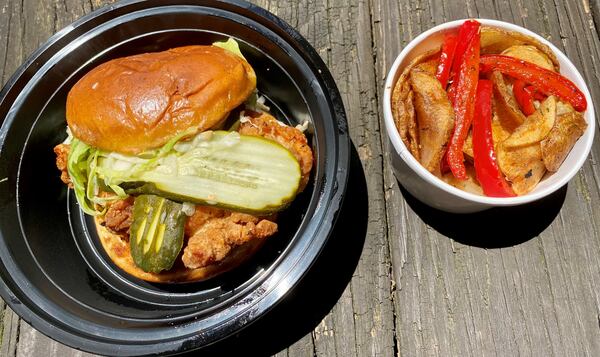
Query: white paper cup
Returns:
{"type": "Point", "coordinates": [433, 191]}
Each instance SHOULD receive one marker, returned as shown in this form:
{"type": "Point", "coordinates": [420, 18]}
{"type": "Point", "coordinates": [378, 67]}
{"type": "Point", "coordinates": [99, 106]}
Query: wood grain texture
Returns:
{"type": "Point", "coordinates": [33, 343]}
{"type": "Point", "coordinates": [10, 331]}
{"type": "Point", "coordinates": [361, 324]}
{"type": "Point", "coordinates": [505, 282]}
{"type": "Point", "coordinates": [457, 299]}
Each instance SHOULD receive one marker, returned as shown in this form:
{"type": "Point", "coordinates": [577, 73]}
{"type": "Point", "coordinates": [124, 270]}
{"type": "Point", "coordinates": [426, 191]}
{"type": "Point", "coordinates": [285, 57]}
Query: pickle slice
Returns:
{"type": "Point", "coordinates": [227, 170]}
{"type": "Point", "coordinates": [156, 236]}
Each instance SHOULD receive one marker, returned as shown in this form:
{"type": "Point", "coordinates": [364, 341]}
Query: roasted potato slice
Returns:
{"type": "Point", "coordinates": [505, 105]}
{"type": "Point", "coordinates": [495, 40]}
{"type": "Point", "coordinates": [499, 133]}
{"type": "Point", "coordinates": [536, 127]}
{"type": "Point", "coordinates": [429, 66]}
{"type": "Point", "coordinates": [402, 105]}
{"type": "Point", "coordinates": [404, 117]}
{"type": "Point", "coordinates": [561, 139]}
{"type": "Point", "coordinates": [520, 155]}
{"type": "Point", "coordinates": [530, 54]}
{"type": "Point", "coordinates": [523, 166]}
{"type": "Point", "coordinates": [435, 118]}
{"type": "Point", "coordinates": [469, 185]}
{"type": "Point", "coordinates": [468, 147]}
{"type": "Point", "coordinates": [563, 108]}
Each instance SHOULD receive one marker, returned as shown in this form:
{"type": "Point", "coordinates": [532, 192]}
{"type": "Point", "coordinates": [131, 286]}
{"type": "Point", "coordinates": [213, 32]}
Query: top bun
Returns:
{"type": "Point", "coordinates": [137, 103]}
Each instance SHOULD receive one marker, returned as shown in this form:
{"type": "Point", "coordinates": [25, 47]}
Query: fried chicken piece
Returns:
{"type": "Point", "coordinates": [62, 156]}
{"type": "Point", "coordinates": [265, 125]}
{"type": "Point", "coordinates": [217, 237]}
{"type": "Point", "coordinates": [119, 215]}
{"type": "Point", "coordinates": [202, 214]}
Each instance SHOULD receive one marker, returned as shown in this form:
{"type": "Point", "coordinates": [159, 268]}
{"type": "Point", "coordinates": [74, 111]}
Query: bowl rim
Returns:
{"type": "Point", "coordinates": [407, 157]}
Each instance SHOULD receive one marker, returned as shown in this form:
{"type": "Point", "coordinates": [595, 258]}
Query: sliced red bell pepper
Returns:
{"type": "Point", "coordinates": [446, 58]}
{"type": "Point", "coordinates": [452, 93]}
{"type": "Point", "coordinates": [524, 97]}
{"type": "Point", "coordinates": [466, 89]}
{"type": "Point", "coordinates": [537, 95]}
{"type": "Point", "coordinates": [467, 30]}
{"type": "Point", "coordinates": [550, 83]}
{"type": "Point", "coordinates": [486, 168]}
{"type": "Point", "coordinates": [444, 167]}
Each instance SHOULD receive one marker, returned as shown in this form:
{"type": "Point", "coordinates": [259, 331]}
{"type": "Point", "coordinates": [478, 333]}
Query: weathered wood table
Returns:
{"type": "Point", "coordinates": [398, 277]}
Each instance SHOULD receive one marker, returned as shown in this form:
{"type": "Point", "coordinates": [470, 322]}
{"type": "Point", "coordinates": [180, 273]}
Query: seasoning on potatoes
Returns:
{"type": "Point", "coordinates": [559, 141]}
{"type": "Point", "coordinates": [403, 105]}
{"type": "Point", "coordinates": [435, 118]}
{"type": "Point", "coordinates": [528, 116]}
{"type": "Point", "coordinates": [496, 40]}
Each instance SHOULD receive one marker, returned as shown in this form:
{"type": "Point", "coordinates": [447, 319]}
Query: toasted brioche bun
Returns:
{"type": "Point", "coordinates": [118, 251]}
{"type": "Point", "coordinates": [133, 104]}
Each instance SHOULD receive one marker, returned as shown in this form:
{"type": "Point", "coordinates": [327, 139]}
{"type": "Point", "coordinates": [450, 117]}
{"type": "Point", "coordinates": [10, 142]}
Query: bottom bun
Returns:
{"type": "Point", "coordinates": [118, 250]}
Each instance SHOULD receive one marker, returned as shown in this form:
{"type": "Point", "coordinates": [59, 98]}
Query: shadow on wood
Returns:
{"type": "Point", "coordinates": [495, 228]}
{"type": "Point", "coordinates": [316, 294]}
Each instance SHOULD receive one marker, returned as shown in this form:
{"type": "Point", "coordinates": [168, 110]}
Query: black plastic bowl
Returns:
{"type": "Point", "coordinates": [54, 272]}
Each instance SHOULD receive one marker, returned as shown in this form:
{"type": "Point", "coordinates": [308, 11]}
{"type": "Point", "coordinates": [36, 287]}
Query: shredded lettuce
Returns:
{"type": "Point", "coordinates": [256, 103]}
{"type": "Point", "coordinates": [230, 45]}
{"type": "Point", "coordinates": [82, 165]}
{"type": "Point", "coordinates": [77, 167]}
{"type": "Point", "coordinates": [89, 187]}
{"type": "Point", "coordinates": [96, 174]}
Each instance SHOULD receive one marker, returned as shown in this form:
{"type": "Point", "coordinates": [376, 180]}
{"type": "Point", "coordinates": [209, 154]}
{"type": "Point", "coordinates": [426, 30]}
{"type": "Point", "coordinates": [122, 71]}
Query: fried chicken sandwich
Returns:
{"type": "Point", "coordinates": [175, 197]}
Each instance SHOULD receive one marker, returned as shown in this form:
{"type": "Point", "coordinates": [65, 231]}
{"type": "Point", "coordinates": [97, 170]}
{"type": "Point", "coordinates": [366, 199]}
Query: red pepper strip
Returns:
{"type": "Point", "coordinates": [524, 97]}
{"type": "Point", "coordinates": [446, 58]}
{"type": "Point", "coordinates": [550, 83]}
{"type": "Point", "coordinates": [452, 93]}
{"type": "Point", "coordinates": [466, 89]}
{"type": "Point", "coordinates": [486, 168]}
{"type": "Point", "coordinates": [444, 167]}
{"type": "Point", "coordinates": [467, 30]}
{"type": "Point", "coordinates": [465, 34]}
{"type": "Point", "coordinates": [537, 95]}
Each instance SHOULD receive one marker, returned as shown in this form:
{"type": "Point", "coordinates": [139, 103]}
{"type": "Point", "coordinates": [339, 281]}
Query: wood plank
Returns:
{"type": "Point", "coordinates": [579, 38]}
{"type": "Point", "coordinates": [361, 323]}
{"type": "Point", "coordinates": [462, 300]}
{"type": "Point", "coordinates": [10, 59]}
{"type": "Point", "coordinates": [12, 31]}
{"type": "Point", "coordinates": [10, 331]}
{"type": "Point", "coordinates": [352, 65]}
{"type": "Point", "coordinates": [33, 343]}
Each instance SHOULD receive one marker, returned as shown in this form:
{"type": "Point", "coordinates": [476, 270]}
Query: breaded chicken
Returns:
{"type": "Point", "coordinates": [263, 124]}
{"type": "Point", "coordinates": [217, 237]}
{"type": "Point", "coordinates": [202, 214]}
{"type": "Point", "coordinates": [119, 216]}
{"type": "Point", "coordinates": [62, 156]}
{"type": "Point", "coordinates": [211, 232]}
